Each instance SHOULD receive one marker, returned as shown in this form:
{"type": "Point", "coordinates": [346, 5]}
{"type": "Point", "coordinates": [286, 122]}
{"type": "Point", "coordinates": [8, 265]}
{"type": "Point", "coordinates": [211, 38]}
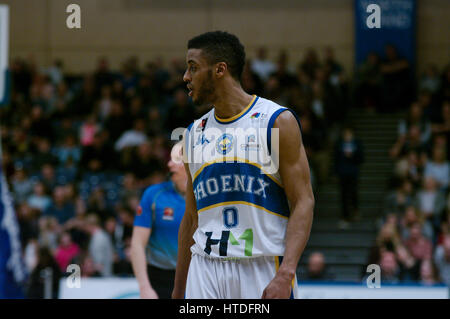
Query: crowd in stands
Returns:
{"type": "Point", "coordinates": [78, 150]}
{"type": "Point", "coordinates": [413, 243]}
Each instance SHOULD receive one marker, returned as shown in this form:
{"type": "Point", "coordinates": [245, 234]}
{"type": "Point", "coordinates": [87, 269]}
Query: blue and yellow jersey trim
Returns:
{"type": "Point", "coordinates": [239, 115]}
{"type": "Point", "coordinates": [246, 184]}
{"type": "Point", "coordinates": [231, 160]}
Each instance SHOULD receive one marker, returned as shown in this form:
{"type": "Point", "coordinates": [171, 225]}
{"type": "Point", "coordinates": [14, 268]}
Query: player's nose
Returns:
{"type": "Point", "coordinates": [187, 76]}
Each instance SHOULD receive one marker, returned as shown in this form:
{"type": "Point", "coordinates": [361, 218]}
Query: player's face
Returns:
{"type": "Point", "coordinates": [198, 77]}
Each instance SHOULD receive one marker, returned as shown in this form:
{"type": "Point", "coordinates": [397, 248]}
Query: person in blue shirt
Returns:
{"type": "Point", "coordinates": [156, 229]}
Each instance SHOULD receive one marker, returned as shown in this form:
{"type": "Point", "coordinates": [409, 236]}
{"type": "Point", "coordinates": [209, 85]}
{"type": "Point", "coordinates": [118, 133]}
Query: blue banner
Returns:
{"type": "Point", "coordinates": [12, 268]}
{"type": "Point", "coordinates": [4, 55]}
{"type": "Point", "coordinates": [397, 27]}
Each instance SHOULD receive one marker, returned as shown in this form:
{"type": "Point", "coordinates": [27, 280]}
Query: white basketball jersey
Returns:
{"type": "Point", "coordinates": [241, 204]}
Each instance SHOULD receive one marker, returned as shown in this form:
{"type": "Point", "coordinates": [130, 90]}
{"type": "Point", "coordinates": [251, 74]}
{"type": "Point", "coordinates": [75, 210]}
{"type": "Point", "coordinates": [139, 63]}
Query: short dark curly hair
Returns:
{"type": "Point", "coordinates": [221, 46]}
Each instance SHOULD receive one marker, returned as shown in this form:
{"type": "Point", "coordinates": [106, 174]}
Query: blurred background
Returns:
{"type": "Point", "coordinates": [87, 116]}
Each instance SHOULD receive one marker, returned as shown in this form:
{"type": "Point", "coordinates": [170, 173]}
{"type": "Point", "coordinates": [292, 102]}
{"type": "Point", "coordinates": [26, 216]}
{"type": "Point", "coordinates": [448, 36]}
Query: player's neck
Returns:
{"type": "Point", "coordinates": [231, 101]}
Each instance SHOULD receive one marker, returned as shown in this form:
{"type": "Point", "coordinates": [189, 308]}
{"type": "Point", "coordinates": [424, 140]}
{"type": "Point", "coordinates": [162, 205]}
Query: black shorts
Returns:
{"type": "Point", "coordinates": [162, 281]}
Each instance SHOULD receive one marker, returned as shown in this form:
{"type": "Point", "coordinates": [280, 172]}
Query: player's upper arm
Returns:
{"type": "Point", "coordinates": [293, 164]}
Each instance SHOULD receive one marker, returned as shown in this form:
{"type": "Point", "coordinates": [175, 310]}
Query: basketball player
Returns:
{"type": "Point", "coordinates": [245, 227]}
{"type": "Point", "coordinates": [156, 224]}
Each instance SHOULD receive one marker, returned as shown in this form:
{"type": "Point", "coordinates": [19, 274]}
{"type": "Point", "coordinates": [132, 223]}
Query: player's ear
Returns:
{"type": "Point", "coordinates": [221, 67]}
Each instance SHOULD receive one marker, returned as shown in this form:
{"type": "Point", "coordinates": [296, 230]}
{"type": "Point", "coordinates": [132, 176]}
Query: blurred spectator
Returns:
{"type": "Point", "coordinates": [410, 167]}
{"type": "Point", "coordinates": [43, 155]}
{"type": "Point", "coordinates": [261, 65]}
{"type": "Point", "coordinates": [100, 246]}
{"type": "Point", "coordinates": [181, 112]}
{"type": "Point", "coordinates": [88, 267]}
{"type": "Point", "coordinates": [97, 203]}
{"type": "Point", "coordinates": [133, 137]}
{"type": "Point", "coordinates": [431, 202]}
{"type": "Point", "coordinates": [442, 259]}
{"type": "Point", "coordinates": [397, 200]}
{"type": "Point", "coordinates": [416, 118]}
{"type": "Point", "coordinates": [315, 144]}
{"type": "Point", "coordinates": [129, 189]}
{"type": "Point", "coordinates": [66, 251]}
{"type": "Point", "coordinates": [390, 270]}
{"type": "Point", "coordinates": [102, 75]}
{"type": "Point", "coordinates": [39, 199]}
{"type": "Point", "coordinates": [40, 124]}
{"type": "Point", "coordinates": [273, 90]}
{"type": "Point", "coordinates": [430, 79]}
{"type": "Point", "coordinates": [250, 80]}
{"type": "Point", "coordinates": [28, 219]}
{"type": "Point", "coordinates": [408, 265]}
{"type": "Point", "coordinates": [428, 273]}
{"type": "Point", "coordinates": [55, 72]}
{"type": "Point", "coordinates": [369, 81]}
{"type": "Point", "coordinates": [21, 184]}
{"type": "Point", "coordinates": [88, 130]}
{"type": "Point", "coordinates": [348, 158]}
{"type": "Point", "coordinates": [61, 208]}
{"type": "Point", "coordinates": [48, 232]}
{"type": "Point", "coordinates": [143, 163]}
{"type": "Point", "coordinates": [412, 217]}
{"type": "Point", "coordinates": [105, 102]}
{"type": "Point", "coordinates": [136, 111]}
{"type": "Point", "coordinates": [411, 142]}
{"type": "Point", "coordinates": [283, 72]}
{"type": "Point", "coordinates": [396, 84]}
{"type": "Point", "coordinates": [83, 101]}
{"type": "Point", "coordinates": [310, 63]}
{"type": "Point", "coordinates": [122, 266]}
{"type": "Point", "coordinates": [116, 123]}
{"type": "Point", "coordinates": [317, 269]}
{"type": "Point", "coordinates": [46, 268]}
{"type": "Point", "coordinates": [420, 247]}
{"type": "Point", "coordinates": [332, 66]}
{"type": "Point", "coordinates": [442, 126]}
{"type": "Point", "coordinates": [155, 122]}
{"type": "Point", "coordinates": [69, 150]}
{"type": "Point", "coordinates": [30, 254]}
{"type": "Point", "coordinates": [61, 98]}
{"type": "Point", "coordinates": [438, 168]}
{"type": "Point", "coordinates": [21, 75]}
{"type": "Point", "coordinates": [99, 156]}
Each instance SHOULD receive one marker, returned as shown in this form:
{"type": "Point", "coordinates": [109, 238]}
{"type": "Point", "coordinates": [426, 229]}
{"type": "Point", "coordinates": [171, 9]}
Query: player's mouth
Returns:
{"type": "Point", "coordinates": [191, 91]}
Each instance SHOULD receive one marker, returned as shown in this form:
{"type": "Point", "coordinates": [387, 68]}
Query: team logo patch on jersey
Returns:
{"type": "Point", "coordinates": [224, 144]}
{"type": "Point", "coordinates": [168, 213]}
{"type": "Point", "coordinates": [139, 211]}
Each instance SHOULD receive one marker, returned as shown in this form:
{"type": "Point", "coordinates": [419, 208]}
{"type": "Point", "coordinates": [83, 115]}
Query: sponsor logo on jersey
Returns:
{"type": "Point", "coordinates": [251, 144]}
{"type": "Point", "coordinates": [258, 115]}
{"type": "Point", "coordinates": [201, 126]}
{"type": "Point", "coordinates": [202, 140]}
{"type": "Point", "coordinates": [168, 213]}
{"type": "Point", "coordinates": [224, 144]}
